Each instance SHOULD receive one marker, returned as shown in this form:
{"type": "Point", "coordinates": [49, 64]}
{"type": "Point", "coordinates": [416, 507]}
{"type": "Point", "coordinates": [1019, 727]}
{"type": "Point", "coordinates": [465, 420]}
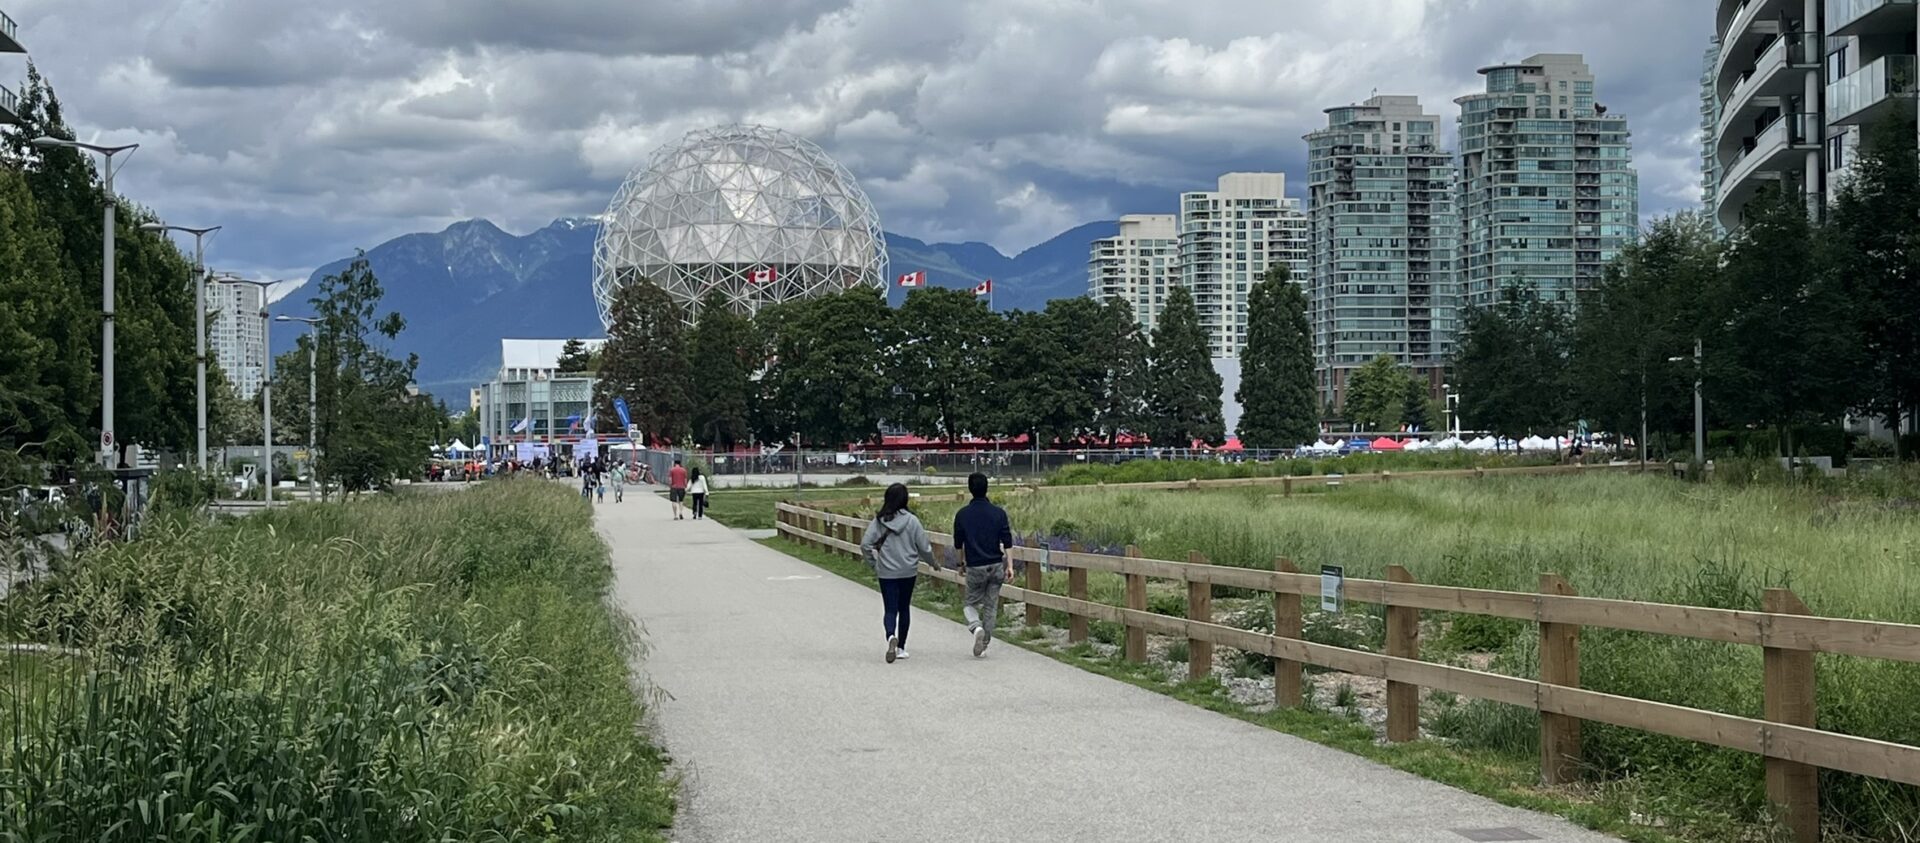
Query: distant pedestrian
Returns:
{"type": "Point", "coordinates": [586, 485]}
{"type": "Point", "coordinates": [618, 476]}
{"type": "Point", "coordinates": [982, 534]}
{"type": "Point", "coordinates": [698, 489]}
{"type": "Point", "coordinates": [676, 487]}
{"type": "Point", "coordinates": [894, 546]}
{"type": "Point", "coordinates": [600, 481]}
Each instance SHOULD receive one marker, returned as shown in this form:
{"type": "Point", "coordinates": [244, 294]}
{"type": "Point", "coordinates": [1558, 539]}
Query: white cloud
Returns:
{"type": "Point", "coordinates": [313, 129]}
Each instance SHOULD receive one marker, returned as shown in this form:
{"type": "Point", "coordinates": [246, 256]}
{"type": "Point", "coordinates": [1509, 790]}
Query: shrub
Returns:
{"type": "Point", "coordinates": [1481, 633]}
{"type": "Point", "coordinates": [1177, 651]}
{"type": "Point", "coordinates": [1167, 603]}
{"type": "Point", "coordinates": [1108, 632]}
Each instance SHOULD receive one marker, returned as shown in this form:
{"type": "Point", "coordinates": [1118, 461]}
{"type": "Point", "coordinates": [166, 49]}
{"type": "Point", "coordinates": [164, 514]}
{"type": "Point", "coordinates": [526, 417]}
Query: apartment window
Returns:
{"type": "Point", "coordinates": [1836, 152]}
{"type": "Point", "coordinates": [1837, 64]}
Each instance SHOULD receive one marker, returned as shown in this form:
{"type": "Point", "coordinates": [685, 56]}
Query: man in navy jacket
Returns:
{"type": "Point", "coordinates": [982, 534]}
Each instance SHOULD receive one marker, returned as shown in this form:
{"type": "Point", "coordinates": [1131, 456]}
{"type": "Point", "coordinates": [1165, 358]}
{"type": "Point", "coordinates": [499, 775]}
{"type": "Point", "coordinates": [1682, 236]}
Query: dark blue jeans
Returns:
{"type": "Point", "coordinates": [898, 597]}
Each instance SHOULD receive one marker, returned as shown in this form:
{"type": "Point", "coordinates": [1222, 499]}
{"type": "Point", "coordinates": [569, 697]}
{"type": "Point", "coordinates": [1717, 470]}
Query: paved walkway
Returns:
{"type": "Point", "coordinates": [787, 725]}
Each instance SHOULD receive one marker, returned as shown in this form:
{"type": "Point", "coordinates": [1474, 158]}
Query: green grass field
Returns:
{"type": "Point", "coordinates": [427, 667]}
{"type": "Point", "coordinates": [1610, 535]}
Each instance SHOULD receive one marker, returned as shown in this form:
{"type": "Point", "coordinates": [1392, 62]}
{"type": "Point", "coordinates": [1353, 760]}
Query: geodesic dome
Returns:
{"type": "Point", "coordinates": [722, 207]}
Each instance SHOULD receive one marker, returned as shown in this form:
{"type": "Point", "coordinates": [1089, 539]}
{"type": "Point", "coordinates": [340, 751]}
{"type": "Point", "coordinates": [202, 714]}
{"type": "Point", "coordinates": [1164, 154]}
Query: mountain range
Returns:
{"type": "Point", "coordinates": [464, 288]}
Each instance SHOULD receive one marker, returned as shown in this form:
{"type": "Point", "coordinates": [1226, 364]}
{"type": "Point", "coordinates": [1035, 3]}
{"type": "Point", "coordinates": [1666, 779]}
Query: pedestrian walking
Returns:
{"type": "Point", "coordinates": [600, 480]}
{"type": "Point", "coordinates": [586, 485]}
{"type": "Point", "coordinates": [698, 489]}
{"type": "Point", "coordinates": [618, 474]}
{"type": "Point", "coordinates": [982, 534]}
{"type": "Point", "coordinates": [894, 546]}
{"type": "Point", "coordinates": [676, 487]}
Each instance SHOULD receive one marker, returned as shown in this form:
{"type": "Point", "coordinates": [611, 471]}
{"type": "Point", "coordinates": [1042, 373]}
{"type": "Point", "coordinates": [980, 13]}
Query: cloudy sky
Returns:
{"type": "Point", "coordinates": [312, 128]}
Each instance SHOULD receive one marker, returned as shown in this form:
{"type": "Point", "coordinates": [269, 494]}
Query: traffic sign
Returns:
{"type": "Point", "coordinates": [106, 439]}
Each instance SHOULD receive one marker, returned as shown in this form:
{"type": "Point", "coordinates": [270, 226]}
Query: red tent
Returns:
{"type": "Point", "coordinates": [1233, 444]}
{"type": "Point", "coordinates": [1385, 444]}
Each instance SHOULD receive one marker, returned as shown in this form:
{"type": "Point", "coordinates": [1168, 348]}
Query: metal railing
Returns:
{"type": "Point", "coordinates": [1868, 86]}
{"type": "Point", "coordinates": [1841, 13]}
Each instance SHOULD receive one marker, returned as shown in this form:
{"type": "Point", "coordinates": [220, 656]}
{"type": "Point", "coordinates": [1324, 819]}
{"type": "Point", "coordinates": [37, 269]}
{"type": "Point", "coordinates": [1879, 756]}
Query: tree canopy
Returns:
{"type": "Point", "coordinates": [1186, 389]}
{"type": "Point", "coordinates": [1278, 408]}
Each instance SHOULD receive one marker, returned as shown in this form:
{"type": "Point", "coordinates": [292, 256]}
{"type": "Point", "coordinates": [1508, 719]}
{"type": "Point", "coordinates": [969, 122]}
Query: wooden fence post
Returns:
{"type": "Point", "coordinates": [1136, 641]}
{"type": "Point", "coordinates": [1559, 665]}
{"type": "Point", "coordinates": [1403, 641]}
{"type": "Point", "coordinates": [1200, 609]}
{"type": "Point", "coordinates": [1792, 787]}
{"type": "Point", "coordinates": [1034, 583]}
{"type": "Point", "coordinates": [1287, 621]}
{"type": "Point", "coordinates": [1286, 486]}
{"type": "Point", "coordinates": [1076, 589]}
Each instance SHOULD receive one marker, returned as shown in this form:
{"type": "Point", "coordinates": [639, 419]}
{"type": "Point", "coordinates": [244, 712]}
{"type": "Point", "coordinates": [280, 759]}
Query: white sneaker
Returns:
{"type": "Point", "coordinates": [980, 639]}
{"type": "Point", "coordinates": [893, 649]}
{"type": "Point", "coordinates": [900, 654]}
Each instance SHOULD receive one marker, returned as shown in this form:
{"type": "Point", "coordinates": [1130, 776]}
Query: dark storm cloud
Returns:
{"type": "Point", "coordinates": [310, 129]}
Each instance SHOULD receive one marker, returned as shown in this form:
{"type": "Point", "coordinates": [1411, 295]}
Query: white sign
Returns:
{"type": "Point", "coordinates": [106, 439]}
{"type": "Point", "coordinates": [1333, 587]}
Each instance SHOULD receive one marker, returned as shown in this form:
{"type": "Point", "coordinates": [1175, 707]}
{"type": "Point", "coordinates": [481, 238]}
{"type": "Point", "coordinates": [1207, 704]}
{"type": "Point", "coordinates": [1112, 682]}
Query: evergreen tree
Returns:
{"type": "Point", "coordinates": [576, 358]}
{"type": "Point", "coordinates": [1873, 238]}
{"type": "Point", "coordinates": [1276, 394]}
{"type": "Point", "coordinates": [1792, 347]}
{"type": "Point", "coordinates": [724, 352]}
{"type": "Point", "coordinates": [1122, 347]}
{"type": "Point", "coordinates": [828, 382]}
{"type": "Point", "coordinates": [939, 363]}
{"type": "Point", "coordinates": [1511, 365]}
{"type": "Point", "coordinates": [645, 362]}
{"type": "Point", "coordinates": [1186, 389]}
{"type": "Point", "coordinates": [1660, 294]}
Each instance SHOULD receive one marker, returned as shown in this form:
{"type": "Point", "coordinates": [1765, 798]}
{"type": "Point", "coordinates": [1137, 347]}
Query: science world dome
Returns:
{"type": "Point", "coordinates": [759, 214]}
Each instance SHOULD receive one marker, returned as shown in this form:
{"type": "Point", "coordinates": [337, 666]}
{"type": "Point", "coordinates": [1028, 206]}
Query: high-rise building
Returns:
{"type": "Point", "coordinates": [1137, 265]}
{"type": "Point", "coordinates": [1870, 72]}
{"type": "Point", "coordinates": [236, 336]}
{"type": "Point", "coordinates": [1709, 128]}
{"type": "Point", "coordinates": [1384, 237]}
{"type": "Point", "coordinates": [1228, 238]}
{"type": "Point", "coordinates": [1548, 194]}
{"type": "Point", "coordinates": [9, 43]}
{"type": "Point", "coordinates": [1766, 83]}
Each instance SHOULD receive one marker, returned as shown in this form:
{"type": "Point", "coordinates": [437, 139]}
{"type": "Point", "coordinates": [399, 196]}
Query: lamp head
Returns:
{"type": "Point", "coordinates": [154, 226]}
{"type": "Point", "coordinates": [44, 141]}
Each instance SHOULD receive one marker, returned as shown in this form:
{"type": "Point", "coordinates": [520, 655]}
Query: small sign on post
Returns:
{"type": "Point", "coordinates": [1333, 587]}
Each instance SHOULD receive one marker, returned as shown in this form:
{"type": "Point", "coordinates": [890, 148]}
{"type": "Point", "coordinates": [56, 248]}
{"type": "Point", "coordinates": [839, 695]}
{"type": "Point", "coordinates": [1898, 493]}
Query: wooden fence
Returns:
{"type": "Point", "coordinates": [1794, 751]}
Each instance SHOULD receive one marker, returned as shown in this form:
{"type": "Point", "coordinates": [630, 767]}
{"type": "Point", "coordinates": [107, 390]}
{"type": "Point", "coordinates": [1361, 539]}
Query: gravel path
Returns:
{"type": "Point", "coordinates": [787, 725]}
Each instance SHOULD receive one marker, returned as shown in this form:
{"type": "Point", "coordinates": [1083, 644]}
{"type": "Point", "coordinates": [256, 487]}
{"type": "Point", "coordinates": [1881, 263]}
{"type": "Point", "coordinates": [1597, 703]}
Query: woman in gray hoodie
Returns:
{"type": "Point", "coordinates": [894, 546]}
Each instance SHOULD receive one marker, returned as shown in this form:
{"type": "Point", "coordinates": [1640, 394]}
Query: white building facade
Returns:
{"type": "Point", "coordinates": [236, 336]}
{"type": "Point", "coordinates": [1137, 266]}
{"type": "Point", "coordinates": [530, 400]}
{"type": "Point", "coordinates": [1228, 238]}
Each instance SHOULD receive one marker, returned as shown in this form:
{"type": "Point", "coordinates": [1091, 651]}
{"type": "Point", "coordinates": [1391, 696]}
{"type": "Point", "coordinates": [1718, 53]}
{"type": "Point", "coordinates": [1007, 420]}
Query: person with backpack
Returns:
{"type": "Point", "coordinates": [982, 534]}
{"type": "Point", "coordinates": [894, 545]}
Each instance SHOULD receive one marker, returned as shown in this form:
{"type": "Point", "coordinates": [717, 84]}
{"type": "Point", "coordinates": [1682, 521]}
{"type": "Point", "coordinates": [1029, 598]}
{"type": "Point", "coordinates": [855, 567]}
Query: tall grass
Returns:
{"type": "Point", "coordinates": [1167, 471]}
{"type": "Point", "coordinates": [433, 668]}
{"type": "Point", "coordinates": [1610, 535]}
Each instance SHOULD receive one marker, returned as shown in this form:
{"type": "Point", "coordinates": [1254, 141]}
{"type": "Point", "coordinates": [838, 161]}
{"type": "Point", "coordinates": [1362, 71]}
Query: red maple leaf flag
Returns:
{"type": "Point", "coordinates": [917, 278]}
{"type": "Point", "coordinates": [763, 276]}
{"type": "Point", "coordinates": [984, 288]}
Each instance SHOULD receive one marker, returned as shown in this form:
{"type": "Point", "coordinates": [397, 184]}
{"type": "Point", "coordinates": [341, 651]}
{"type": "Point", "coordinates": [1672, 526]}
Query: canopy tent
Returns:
{"type": "Point", "coordinates": [1233, 444]}
{"type": "Point", "coordinates": [1484, 443]}
{"type": "Point", "coordinates": [1451, 443]}
{"type": "Point", "coordinates": [1321, 446]}
{"type": "Point", "coordinates": [459, 447]}
{"type": "Point", "coordinates": [1533, 443]}
{"type": "Point", "coordinates": [1386, 444]}
{"type": "Point", "coordinates": [1418, 444]}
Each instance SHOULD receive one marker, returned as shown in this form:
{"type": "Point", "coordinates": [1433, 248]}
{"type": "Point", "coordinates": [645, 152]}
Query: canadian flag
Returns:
{"type": "Point", "coordinates": [762, 276]}
{"type": "Point", "coordinates": [917, 278]}
{"type": "Point", "coordinates": [984, 288]}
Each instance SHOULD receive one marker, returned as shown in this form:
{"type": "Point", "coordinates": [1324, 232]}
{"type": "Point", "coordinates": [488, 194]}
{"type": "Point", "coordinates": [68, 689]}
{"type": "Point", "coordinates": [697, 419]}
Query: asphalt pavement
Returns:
{"type": "Point", "coordinates": [787, 724]}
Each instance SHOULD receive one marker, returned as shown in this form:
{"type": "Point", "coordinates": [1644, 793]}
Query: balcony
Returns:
{"type": "Point", "coordinates": [1751, 24]}
{"type": "Point", "coordinates": [1846, 18]}
{"type": "Point", "coordinates": [1866, 93]}
{"type": "Point", "coordinates": [1774, 153]}
{"type": "Point", "coordinates": [1779, 73]}
{"type": "Point", "coordinates": [10, 35]}
{"type": "Point", "coordinates": [9, 106]}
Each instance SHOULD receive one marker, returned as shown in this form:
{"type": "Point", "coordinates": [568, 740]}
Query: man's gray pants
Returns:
{"type": "Point", "coordinates": [983, 595]}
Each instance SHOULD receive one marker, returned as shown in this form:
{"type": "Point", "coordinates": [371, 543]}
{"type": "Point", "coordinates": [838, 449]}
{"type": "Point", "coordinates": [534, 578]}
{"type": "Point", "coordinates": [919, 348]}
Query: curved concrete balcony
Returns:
{"type": "Point", "coordinates": [1848, 18]}
{"type": "Point", "coordinates": [10, 35]}
{"type": "Point", "coordinates": [1746, 31]}
{"type": "Point", "coordinates": [1778, 149]}
{"type": "Point", "coordinates": [1779, 75]}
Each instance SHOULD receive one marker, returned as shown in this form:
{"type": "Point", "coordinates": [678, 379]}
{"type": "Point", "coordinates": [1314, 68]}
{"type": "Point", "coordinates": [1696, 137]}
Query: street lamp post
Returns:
{"type": "Point", "coordinates": [1453, 409]}
{"type": "Point", "coordinates": [108, 446]}
{"type": "Point", "coordinates": [266, 377]}
{"type": "Point", "coordinates": [313, 342]}
{"type": "Point", "coordinates": [199, 330]}
{"type": "Point", "coordinates": [1699, 404]}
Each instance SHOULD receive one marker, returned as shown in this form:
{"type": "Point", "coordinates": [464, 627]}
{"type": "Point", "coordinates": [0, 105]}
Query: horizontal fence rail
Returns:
{"type": "Point", "coordinates": [1786, 738]}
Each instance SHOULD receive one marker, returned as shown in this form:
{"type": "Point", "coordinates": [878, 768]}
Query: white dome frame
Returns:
{"type": "Point", "coordinates": [721, 204]}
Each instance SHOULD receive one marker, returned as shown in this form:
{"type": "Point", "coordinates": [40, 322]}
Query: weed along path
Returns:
{"type": "Point", "coordinates": [786, 724]}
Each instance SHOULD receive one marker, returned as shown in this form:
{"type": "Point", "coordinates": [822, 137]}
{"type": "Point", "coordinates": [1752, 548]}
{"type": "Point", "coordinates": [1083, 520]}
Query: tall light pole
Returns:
{"type": "Point", "coordinates": [266, 374]}
{"type": "Point", "coordinates": [1453, 409]}
{"type": "Point", "coordinates": [107, 442]}
{"type": "Point", "coordinates": [199, 330]}
{"type": "Point", "coordinates": [1699, 405]}
{"type": "Point", "coordinates": [313, 342]}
